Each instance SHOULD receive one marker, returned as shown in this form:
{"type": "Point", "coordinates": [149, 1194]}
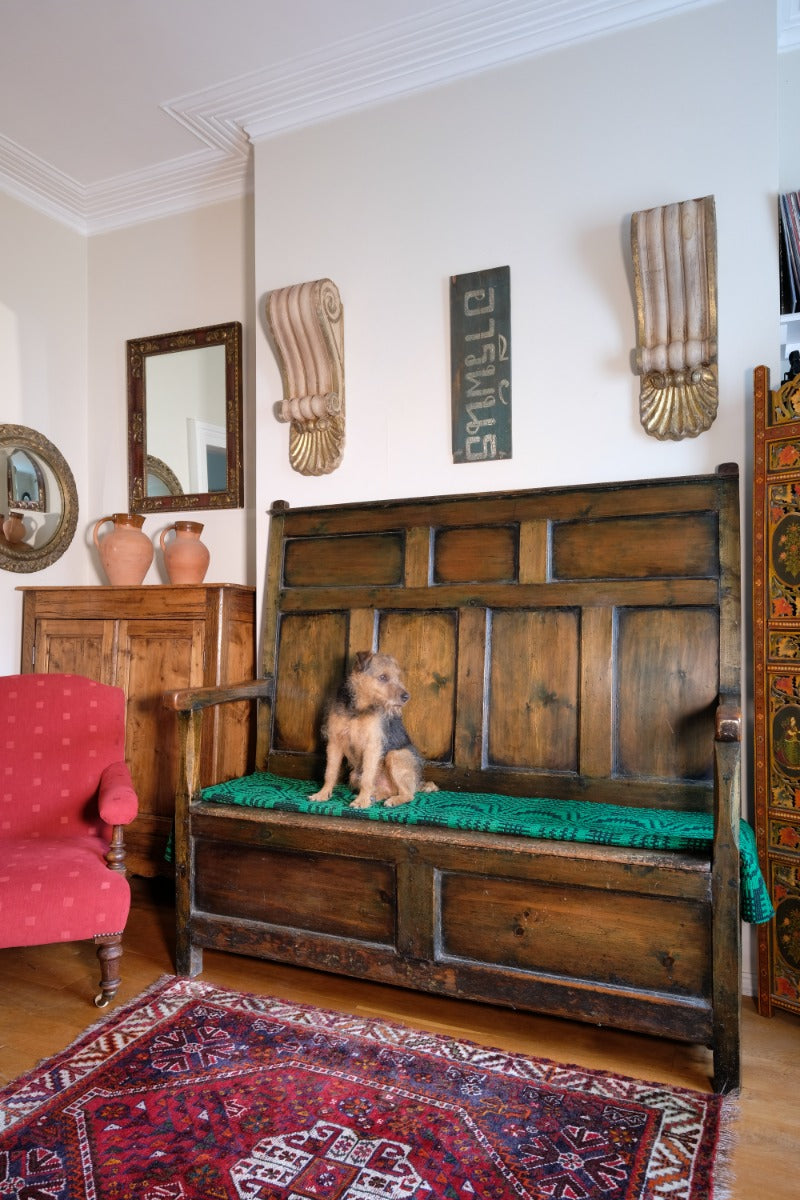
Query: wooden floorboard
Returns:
{"type": "Point", "coordinates": [46, 997]}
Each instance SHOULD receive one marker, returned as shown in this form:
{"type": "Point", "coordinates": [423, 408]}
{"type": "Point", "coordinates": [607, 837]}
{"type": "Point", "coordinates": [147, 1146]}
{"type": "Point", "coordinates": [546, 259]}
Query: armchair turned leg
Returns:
{"type": "Point", "coordinates": [109, 952]}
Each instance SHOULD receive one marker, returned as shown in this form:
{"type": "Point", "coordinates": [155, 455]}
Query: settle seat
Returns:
{"type": "Point", "coordinates": [573, 647]}
{"type": "Point", "coordinates": [65, 795]}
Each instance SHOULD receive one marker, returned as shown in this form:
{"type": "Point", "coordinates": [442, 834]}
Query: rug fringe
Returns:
{"type": "Point", "coordinates": [727, 1138]}
{"type": "Point", "coordinates": [92, 1030]}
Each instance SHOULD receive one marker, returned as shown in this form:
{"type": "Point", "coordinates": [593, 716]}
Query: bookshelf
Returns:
{"type": "Point", "coordinates": [789, 229]}
{"type": "Point", "coordinates": [790, 338]}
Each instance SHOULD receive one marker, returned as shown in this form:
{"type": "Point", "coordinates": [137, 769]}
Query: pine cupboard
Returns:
{"type": "Point", "coordinates": [148, 640]}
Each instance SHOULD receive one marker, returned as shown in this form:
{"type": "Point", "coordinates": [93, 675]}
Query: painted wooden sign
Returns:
{"type": "Point", "coordinates": [480, 362]}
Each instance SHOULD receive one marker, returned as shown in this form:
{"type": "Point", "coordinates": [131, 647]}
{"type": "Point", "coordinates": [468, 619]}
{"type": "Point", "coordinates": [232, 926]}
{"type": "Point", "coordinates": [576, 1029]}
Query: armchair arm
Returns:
{"type": "Point", "coordinates": [118, 805]}
{"type": "Point", "coordinates": [193, 699]}
{"type": "Point", "coordinates": [116, 798]}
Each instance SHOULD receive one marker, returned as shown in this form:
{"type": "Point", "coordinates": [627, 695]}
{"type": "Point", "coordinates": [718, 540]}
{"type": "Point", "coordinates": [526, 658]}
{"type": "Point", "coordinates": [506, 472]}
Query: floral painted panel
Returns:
{"type": "Point", "coordinates": [785, 455]}
{"type": "Point", "coordinates": [785, 891]}
{"type": "Point", "coordinates": [784, 708]}
{"type": "Point", "coordinates": [784, 646]}
{"type": "Point", "coordinates": [784, 549]}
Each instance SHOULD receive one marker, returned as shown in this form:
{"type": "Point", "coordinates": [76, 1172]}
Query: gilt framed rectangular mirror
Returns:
{"type": "Point", "coordinates": [185, 420]}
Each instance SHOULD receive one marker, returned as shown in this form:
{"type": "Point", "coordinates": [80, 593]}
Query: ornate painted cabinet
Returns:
{"type": "Point", "coordinates": [149, 640]}
{"type": "Point", "coordinates": [776, 631]}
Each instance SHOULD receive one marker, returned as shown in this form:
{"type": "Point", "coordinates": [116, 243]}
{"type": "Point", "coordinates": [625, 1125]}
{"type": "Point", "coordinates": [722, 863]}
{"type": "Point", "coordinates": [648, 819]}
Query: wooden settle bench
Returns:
{"type": "Point", "coordinates": [580, 644]}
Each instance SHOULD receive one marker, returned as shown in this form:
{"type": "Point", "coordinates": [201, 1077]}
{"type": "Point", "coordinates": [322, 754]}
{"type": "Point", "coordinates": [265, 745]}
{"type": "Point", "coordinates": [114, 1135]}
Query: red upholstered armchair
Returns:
{"type": "Point", "coordinates": [65, 794]}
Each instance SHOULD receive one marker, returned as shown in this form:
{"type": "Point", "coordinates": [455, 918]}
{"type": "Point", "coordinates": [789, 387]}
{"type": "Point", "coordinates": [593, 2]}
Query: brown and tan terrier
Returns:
{"type": "Point", "coordinates": [364, 725]}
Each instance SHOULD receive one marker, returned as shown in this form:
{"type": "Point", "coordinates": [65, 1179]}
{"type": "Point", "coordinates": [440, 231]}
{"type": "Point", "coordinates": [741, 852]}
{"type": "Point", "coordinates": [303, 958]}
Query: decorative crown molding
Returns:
{"type": "Point", "coordinates": [452, 41]}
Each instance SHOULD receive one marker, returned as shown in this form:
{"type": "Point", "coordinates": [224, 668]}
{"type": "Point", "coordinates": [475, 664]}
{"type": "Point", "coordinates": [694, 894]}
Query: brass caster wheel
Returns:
{"type": "Point", "coordinates": [101, 1001]}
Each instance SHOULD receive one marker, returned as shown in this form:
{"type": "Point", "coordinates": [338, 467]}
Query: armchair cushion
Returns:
{"type": "Point", "coordinates": [59, 890]}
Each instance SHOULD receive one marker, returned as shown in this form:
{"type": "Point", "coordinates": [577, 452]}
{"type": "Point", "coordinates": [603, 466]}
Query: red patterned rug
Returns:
{"type": "Point", "coordinates": [192, 1092]}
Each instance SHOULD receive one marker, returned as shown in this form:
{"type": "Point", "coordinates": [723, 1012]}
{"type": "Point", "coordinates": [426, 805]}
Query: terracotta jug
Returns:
{"type": "Point", "coordinates": [126, 551]}
{"type": "Point", "coordinates": [185, 557]}
{"type": "Point", "coordinates": [14, 527]}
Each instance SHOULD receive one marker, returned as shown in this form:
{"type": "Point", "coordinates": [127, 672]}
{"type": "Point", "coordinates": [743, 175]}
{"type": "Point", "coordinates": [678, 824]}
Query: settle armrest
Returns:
{"type": "Point", "coordinates": [116, 798]}
{"type": "Point", "coordinates": [188, 704]}
{"type": "Point", "coordinates": [193, 699]}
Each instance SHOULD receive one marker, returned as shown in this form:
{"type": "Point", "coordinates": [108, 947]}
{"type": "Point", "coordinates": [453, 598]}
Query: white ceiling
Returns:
{"type": "Point", "coordinates": [116, 111]}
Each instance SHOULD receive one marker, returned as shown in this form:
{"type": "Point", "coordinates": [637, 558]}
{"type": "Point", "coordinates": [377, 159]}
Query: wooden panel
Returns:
{"type": "Point", "coordinates": [666, 690]}
{"type": "Point", "coordinates": [348, 897]}
{"type": "Point", "coordinates": [533, 701]}
{"type": "Point", "coordinates": [478, 555]}
{"type": "Point", "coordinates": [65, 646]}
{"type": "Point", "coordinates": [418, 555]}
{"type": "Point", "coordinates": [228, 752]}
{"type": "Point", "coordinates": [425, 646]}
{"type": "Point", "coordinates": [362, 631]}
{"type": "Point", "coordinates": [472, 641]}
{"type": "Point", "coordinates": [345, 562]}
{"type": "Point", "coordinates": [637, 548]}
{"type": "Point", "coordinates": [650, 942]}
{"type": "Point", "coordinates": [534, 550]}
{"type": "Point", "coordinates": [312, 653]}
{"type": "Point", "coordinates": [154, 657]}
{"type": "Point", "coordinates": [567, 594]}
{"type": "Point", "coordinates": [597, 693]}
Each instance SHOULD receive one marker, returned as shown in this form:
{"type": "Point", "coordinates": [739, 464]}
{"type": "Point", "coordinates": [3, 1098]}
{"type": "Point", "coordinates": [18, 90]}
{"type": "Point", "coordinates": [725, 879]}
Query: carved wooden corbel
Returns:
{"type": "Point", "coordinates": [675, 278]}
{"type": "Point", "coordinates": [307, 326]}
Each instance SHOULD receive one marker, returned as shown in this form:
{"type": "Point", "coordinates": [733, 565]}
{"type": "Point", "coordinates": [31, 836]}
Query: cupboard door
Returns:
{"type": "Point", "coordinates": [75, 647]}
{"type": "Point", "coordinates": [154, 656]}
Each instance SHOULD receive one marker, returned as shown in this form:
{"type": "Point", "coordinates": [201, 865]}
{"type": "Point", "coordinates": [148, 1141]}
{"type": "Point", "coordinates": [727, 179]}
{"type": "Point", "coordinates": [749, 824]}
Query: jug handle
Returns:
{"type": "Point", "coordinates": [164, 533]}
{"type": "Point", "coordinates": [102, 521]}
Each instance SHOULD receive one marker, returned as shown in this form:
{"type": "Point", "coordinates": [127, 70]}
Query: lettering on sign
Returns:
{"type": "Point", "coordinates": [480, 362]}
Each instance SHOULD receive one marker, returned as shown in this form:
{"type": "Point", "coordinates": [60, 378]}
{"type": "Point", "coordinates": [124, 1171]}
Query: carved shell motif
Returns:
{"type": "Point", "coordinates": [679, 404]}
{"type": "Point", "coordinates": [306, 321]}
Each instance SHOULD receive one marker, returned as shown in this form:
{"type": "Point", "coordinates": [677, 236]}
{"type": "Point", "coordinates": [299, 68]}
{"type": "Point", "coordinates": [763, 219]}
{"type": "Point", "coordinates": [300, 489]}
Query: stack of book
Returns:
{"type": "Point", "coordinates": [789, 212]}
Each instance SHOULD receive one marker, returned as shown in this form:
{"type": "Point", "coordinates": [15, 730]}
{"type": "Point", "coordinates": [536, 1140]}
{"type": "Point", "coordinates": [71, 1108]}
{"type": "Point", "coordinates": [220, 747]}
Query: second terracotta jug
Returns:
{"type": "Point", "coordinates": [14, 527]}
{"type": "Point", "coordinates": [185, 557]}
{"type": "Point", "coordinates": [126, 552]}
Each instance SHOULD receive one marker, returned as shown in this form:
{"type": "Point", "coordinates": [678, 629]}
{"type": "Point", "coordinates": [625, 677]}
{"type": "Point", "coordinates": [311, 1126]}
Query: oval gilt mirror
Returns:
{"type": "Point", "coordinates": [38, 500]}
{"type": "Point", "coordinates": [185, 420]}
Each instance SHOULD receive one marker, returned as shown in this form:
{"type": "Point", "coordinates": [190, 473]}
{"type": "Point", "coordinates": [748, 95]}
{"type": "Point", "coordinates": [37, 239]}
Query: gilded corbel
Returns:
{"type": "Point", "coordinates": [675, 278]}
{"type": "Point", "coordinates": [306, 322]}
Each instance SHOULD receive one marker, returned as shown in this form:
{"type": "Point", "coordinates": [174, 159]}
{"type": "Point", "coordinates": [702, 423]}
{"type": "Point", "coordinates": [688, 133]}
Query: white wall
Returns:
{"type": "Point", "coordinates": [537, 166]}
{"type": "Point", "coordinates": [43, 375]}
{"type": "Point", "coordinates": [161, 277]}
{"type": "Point", "coordinates": [789, 125]}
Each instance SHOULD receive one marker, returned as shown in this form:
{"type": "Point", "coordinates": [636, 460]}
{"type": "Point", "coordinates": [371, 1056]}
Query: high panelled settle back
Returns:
{"type": "Point", "coordinates": [565, 643]}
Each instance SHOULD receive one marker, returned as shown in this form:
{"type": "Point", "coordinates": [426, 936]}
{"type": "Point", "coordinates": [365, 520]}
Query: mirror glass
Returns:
{"type": "Point", "coordinates": [26, 484]}
{"type": "Point", "coordinates": [185, 420]}
{"type": "Point", "coordinates": [40, 501]}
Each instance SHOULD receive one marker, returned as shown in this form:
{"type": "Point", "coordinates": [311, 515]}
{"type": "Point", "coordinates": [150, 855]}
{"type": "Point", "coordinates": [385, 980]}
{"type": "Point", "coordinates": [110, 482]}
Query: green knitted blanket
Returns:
{"type": "Point", "coordinates": [557, 820]}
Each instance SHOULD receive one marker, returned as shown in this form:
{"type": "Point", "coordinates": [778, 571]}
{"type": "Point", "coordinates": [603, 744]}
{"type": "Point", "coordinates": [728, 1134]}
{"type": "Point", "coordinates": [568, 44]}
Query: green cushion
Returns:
{"type": "Point", "coordinates": [557, 820]}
